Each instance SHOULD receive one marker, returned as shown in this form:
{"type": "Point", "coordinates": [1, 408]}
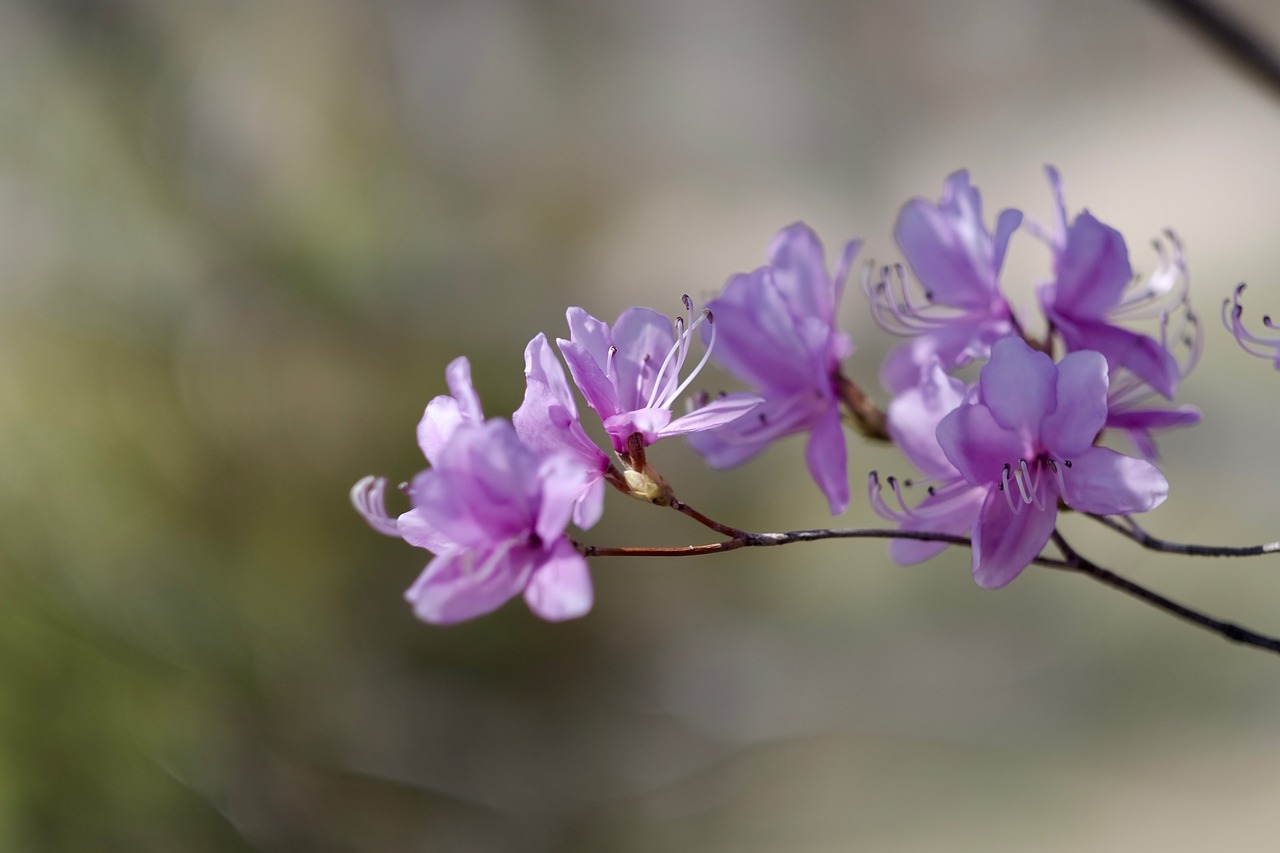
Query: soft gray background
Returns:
{"type": "Point", "coordinates": [239, 242]}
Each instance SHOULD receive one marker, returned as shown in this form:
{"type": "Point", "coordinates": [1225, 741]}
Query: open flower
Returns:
{"type": "Point", "coordinates": [1028, 442]}
{"type": "Point", "coordinates": [493, 512]}
{"type": "Point", "coordinates": [498, 512]}
{"type": "Point", "coordinates": [1094, 289]}
{"type": "Point", "coordinates": [957, 261]}
{"type": "Point", "coordinates": [777, 331]}
{"type": "Point", "coordinates": [630, 374]}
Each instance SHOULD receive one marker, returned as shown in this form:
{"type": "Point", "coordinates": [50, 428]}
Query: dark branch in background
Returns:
{"type": "Point", "coordinates": [1130, 529]}
{"type": "Point", "coordinates": [1231, 36]}
{"type": "Point", "coordinates": [1230, 630]}
{"type": "Point", "coordinates": [1072, 561]}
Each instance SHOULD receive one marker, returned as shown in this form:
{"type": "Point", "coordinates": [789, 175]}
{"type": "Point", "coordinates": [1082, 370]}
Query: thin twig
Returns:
{"type": "Point", "coordinates": [1232, 36]}
{"type": "Point", "coordinates": [1231, 631]}
{"type": "Point", "coordinates": [1130, 530]}
{"type": "Point", "coordinates": [1072, 561]}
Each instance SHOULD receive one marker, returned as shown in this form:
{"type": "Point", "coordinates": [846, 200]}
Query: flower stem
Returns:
{"type": "Point", "coordinates": [867, 416]}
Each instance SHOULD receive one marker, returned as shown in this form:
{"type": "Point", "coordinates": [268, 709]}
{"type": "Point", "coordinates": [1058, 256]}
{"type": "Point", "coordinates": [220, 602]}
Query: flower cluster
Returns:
{"type": "Point", "coordinates": [1000, 456]}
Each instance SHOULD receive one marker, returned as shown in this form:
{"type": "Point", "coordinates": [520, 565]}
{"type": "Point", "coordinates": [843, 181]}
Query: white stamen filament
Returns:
{"type": "Point", "coordinates": [706, 315]}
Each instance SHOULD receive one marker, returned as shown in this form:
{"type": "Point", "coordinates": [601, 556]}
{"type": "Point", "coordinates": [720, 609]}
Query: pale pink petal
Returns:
{"type": "Point", "coordinates": [977, 446]}
{"type": "Point", "coordinates": [1018, 384]}
{"type": "Point", "coordinates": [826, 456]}
{"type": "Point", "coordinates": [1105, 482]}
{"type": "Point", "coordinates": [720, 411]}
{"type": "Point", "coordinates": [560, 587]}
{"type": "Point", "coordinates": [1092, 269]}
{"type": "Point", "coordinates": [440, 420]}
{"type": "Point", "coordinates": [460, 586]}
{"type": "Point", "coordinates": [1082, 404]}
{"type": "Point", "coordinates": [1005, 542]}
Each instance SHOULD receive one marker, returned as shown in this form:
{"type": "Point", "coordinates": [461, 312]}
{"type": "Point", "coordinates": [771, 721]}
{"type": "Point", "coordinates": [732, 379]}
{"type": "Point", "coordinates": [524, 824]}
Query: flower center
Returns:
{"type": "Point", "coordinates": [1025, 477]}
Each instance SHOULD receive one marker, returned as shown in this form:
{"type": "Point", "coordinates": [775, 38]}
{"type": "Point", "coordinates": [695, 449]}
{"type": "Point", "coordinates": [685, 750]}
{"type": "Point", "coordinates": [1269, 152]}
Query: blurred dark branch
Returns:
{"type": "Point", "coordinates": [1072, 561]}
{"type": "Point", "coordinates": [1129, 529]}
{"type": "Point", "coordinates": [1231, 36]}
{"type": "Point", "coordinates": [1231, 631]}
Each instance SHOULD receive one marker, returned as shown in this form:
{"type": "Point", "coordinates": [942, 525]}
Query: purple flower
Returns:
{"type": "Point", "coordinates": [491, 509]}
{"type": "Point", "coordinates": [1249, 342]}
{"type": "Point", "coordinates": [958, 262]}
{"type": "Point", "coordinates": [497, 512]}
{"type": "Point", "coordinates": [1091, 291]}
{"type": "Point", "coordinates": [1027, 442]}
{"type": "Point", "coordinates": [952, 503]}
{"type": "Point", "coordinates": [630, 375]}
{"type": "Point", "coordinates": [777, 331]}
{"type": "Point", "coordinates": [547, 421]}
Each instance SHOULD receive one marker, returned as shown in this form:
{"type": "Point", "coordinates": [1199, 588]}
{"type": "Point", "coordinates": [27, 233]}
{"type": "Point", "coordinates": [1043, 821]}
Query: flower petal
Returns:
{"type": "Point", "coordinates": [1082, 405]}
{"type": "Point", "coordinates": [1140, 354]}
{"type": "Point", "coordinates": [942, 512]}
{"type": "Point", "coordinates": [977, 446]}
{"type": "Point", "coordinates": [1018, 384]}
{"type": "Point", "coordinates": [1005, 542]}
{"type": "Point", "coordinates": [1105, 482]}
{"type": "Point", "coordinates": [800, 273]}
{"type": "Point", "coordinates": [1092, 270]}
{"type": "Point", "coordinates": [460, 586]}
{"type": "Point", "coordinates": [722, 410]}
{"type": "Point", "coordinates": [440, 420]}
{"type": "Point", "coordinates": [756, 337]}
{"type": "Point", "coordinates": [948, 246]}
{"type": "Point", "coordinates": [458, 376]}
{"type": "Point", "coordinates": [826, 456]}
{"type": "Point", "coordinates": [913, 418]}
{"type": "Point", "coordinates": [560, 587]}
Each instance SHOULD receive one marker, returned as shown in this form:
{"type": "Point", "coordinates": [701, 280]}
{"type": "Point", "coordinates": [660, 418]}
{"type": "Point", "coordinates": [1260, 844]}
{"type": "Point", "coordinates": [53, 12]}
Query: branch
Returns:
{"type": "Point", "coordinates": [1130, 530]}
{"type": "Point", "coordinates": [1229, 630]}
{"type": "Point", "coordinates": [1231, 36]}
{"type": "Point", "coordinates": [1072, 561]}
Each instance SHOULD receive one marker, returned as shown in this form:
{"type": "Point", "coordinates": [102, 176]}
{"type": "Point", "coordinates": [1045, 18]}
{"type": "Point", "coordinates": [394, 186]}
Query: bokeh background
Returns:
{"type": "Point", "coordinates": [239, 242]}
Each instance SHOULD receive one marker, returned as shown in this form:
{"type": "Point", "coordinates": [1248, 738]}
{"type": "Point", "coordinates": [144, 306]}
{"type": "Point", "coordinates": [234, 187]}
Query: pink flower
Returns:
{"type": "Point", "coordinates": [1027, 442]}
{"type": "Point", "coordinates": [630, 374]}
{"type": "Point", "coordinates": [497, 513]}
{"type": "Point", "coordinates": [493, 512]}
{"type": "Point", "coordinates": [958, 262]}
{"type": "Point", "coordinates": [777, 330]}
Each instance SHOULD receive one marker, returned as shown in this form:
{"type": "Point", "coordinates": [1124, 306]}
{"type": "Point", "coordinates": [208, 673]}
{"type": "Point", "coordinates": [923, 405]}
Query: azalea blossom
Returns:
{"type": "Point", "coordinates": [1233, 319]}
{"type": "Point", "coordinates": [1094, 289]}
{"type": "Point", "coordinates": [1027, 441]}
{"type": "Point", "coordinates": [957, 262]}
{"type": "Point", "coordinates": [776, 330]}
{"type": "Point", "coordinates": [497, 513]}
{"type": "Point", "coordinates": [630, 375]}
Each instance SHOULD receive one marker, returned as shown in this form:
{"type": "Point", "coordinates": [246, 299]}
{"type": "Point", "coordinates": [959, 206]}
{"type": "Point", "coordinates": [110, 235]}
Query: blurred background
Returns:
{"type": "Point", "coordinates": [240, 241]}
